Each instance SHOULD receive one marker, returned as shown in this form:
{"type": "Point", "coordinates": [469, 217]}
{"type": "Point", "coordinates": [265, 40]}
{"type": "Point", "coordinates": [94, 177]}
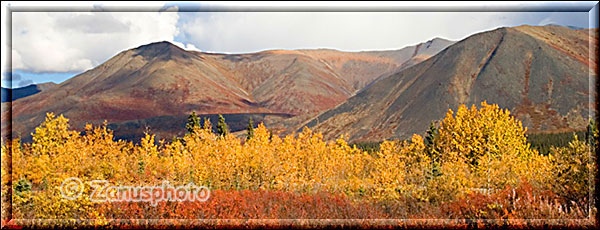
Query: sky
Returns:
{"type": "Point", "coordinates": [55, 46]}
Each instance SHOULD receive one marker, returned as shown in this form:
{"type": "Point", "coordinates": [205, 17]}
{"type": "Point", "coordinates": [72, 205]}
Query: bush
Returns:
{"type": "Point", "coordinates": [297, 176]}
{"type": "Point", "coordinates": [572, 177]}
{"type": "Point", "coordinates": [249, 204]}
{"type": "Point", "coordinates": [521, 202]}
{"type": "Point", "coordinates": [485, 148]}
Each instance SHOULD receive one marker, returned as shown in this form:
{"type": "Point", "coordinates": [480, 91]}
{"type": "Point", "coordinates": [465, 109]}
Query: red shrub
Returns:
{"type": "Point", "coordinates": [522, 202]}
{"type": "Point", "coordinates": [248, 204]}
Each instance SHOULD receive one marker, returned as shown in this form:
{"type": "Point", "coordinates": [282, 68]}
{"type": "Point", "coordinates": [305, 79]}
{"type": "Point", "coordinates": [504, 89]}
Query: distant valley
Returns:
{"type": "Point", "coordinates": [9, 94]}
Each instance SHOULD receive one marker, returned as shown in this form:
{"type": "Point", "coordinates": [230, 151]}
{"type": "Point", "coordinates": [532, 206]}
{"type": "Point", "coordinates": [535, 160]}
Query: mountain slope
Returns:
{"type": "Point", "coordinates": [161, 80]}
{"type": "Point", "coordinates": [541, 74]}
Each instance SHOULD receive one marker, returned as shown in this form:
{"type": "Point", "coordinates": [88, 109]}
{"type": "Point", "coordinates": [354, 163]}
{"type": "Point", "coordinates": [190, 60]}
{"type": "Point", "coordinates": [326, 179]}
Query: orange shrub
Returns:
{"type": "Point", "coordinates": [248, 204]}
{"type": "Point", "coordinates": [521, 202]}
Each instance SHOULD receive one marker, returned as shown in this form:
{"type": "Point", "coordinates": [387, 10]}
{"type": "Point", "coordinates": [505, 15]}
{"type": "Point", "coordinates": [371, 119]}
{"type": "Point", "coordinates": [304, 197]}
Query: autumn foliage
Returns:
{"type": "Point", "coordinates": [474, 167]}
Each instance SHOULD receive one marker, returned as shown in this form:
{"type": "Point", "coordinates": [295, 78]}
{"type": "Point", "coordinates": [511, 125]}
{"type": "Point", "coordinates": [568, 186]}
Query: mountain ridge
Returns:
{"type": "Point", "coordinates": [160, 79]}
{"type": "Point", "coordinates": [481, 67]}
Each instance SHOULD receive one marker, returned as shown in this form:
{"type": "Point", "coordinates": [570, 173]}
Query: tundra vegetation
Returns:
{"type": "Point", "coordinates": [476, 164]}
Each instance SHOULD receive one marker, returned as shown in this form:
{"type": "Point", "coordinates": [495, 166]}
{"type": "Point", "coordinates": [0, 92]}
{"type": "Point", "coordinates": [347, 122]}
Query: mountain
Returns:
{"type": "Point", "coordinates": [14, 94]}
{"type": "Point", "coordinates": [150, 84]}
{"type": "Point", "coordinates": [570, 27]}
{"type": "Point", "coordinates": [542, 74]}
{"type": "Point", "coordinates": [414, 54]}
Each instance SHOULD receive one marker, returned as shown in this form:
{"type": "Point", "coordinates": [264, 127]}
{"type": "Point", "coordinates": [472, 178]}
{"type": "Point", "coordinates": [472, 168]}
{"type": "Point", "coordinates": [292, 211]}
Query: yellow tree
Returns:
{"type": "Point", "coordinates": [485, 148]}
{"type": "Point", "coordinates": [573, 166]}
{"type": "Point", "coordinates": [400, 169]}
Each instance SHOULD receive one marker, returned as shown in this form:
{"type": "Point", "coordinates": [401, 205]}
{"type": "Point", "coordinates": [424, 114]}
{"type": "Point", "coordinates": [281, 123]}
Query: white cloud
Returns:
{"type": "Point", "coordinates": [186, 46]}
{"type": "Point", "coordinates": [25, 83]}
{"type": "Point", "coordinates": [76, 41]}
{"type": "Point", "coordinates": [16, 60]}
{"type": "Point", "coordinates": [253, 31]}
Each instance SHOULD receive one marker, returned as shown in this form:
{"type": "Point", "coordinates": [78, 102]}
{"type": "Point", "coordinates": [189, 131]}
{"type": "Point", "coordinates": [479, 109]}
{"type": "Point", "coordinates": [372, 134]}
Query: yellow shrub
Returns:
{"type": "Point", "coordinates": [482, 148]}
{"type": "Point", "coordinates": [486, 148]}
{"type": "Point", "coordinates": [400, 169]}
{"type": "Point", "coordinates": [572, 177]}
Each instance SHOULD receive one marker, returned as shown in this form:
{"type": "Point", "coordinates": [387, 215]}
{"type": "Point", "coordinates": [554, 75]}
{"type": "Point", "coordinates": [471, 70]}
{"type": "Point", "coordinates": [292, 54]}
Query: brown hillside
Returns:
{"type": "Point", "coordinates": [541, 74]}
{"type": "Point", "coordinates": [161, 80]}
